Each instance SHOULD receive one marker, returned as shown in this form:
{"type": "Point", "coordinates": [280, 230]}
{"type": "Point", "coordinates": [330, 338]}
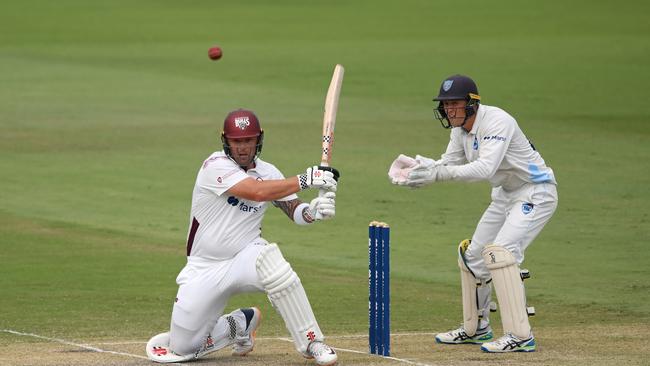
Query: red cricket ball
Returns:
{"type": "Point", "coordinates": [215, 53]}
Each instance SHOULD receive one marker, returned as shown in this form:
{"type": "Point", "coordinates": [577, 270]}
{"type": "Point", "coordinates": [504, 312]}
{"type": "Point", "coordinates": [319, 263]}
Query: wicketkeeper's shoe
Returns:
{"type": "Point", "coordinates": [245, 342]}
{"type": "Point", "coordinates": [323, 354]}
{"type": "Point", "coordinates": [459, 336]}
{"type": "Point", "coordinates": [511, 343]}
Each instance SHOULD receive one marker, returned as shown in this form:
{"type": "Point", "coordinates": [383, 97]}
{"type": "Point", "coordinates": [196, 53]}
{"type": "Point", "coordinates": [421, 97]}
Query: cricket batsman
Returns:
{"type": "Point", "coordinates": [486, 144]}
{"type": "Point", "coordinates": [227, 255]}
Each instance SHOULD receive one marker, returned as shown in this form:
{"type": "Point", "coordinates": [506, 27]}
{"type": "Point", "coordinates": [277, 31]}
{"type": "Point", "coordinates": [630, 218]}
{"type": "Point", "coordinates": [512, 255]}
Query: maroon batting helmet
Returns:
{"type": "Point", "coordinates": [241, 123]}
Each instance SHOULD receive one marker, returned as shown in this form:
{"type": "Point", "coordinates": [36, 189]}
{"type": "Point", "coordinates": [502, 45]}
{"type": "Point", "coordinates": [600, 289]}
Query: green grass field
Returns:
{"type": "Point", "coordinates": [107, 110]}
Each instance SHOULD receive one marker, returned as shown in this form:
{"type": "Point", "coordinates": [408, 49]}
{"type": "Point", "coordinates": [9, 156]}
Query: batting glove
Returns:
{"type": "Point", "coordinates": [322, 177]}
{"type": "Point", "coordinates": [323, 207]}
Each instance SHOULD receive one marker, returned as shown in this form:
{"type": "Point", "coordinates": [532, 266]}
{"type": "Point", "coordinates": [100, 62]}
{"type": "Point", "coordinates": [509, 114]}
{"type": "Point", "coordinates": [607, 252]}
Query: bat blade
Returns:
{"type": "Point", "coordinates": [329, 117]}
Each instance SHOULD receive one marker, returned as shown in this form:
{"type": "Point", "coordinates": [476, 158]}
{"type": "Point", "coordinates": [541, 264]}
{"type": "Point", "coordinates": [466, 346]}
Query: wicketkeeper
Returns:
{"type": "Point", "coordinates": [486, 143]}
{"type": "Point", "coordinates": [227, 255]}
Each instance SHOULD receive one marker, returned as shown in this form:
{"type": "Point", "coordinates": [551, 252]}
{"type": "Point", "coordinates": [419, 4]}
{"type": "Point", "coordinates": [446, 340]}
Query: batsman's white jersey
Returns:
{"type": "Point", "coordinates": [524, 194]}
{"type": "Point", "coordinates": [222, 225]}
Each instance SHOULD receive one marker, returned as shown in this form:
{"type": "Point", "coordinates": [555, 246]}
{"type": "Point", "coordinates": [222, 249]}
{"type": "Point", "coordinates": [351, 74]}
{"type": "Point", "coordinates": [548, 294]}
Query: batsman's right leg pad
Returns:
{"type": "Point", "coordinates": [288, 297]}
{"type": "Point", "coordinates": [507, 282]}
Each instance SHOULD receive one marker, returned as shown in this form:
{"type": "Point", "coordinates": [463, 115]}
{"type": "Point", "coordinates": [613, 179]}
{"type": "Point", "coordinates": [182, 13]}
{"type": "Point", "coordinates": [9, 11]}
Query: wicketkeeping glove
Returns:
{"type": "Point", "coordinates": [323, 177]}
{"type": "Point", "coordinates": [323, 207]}
{"type": "Point", "coordinates": [400, 169]}
{"type": "Point", "coordinates": [423, 173]}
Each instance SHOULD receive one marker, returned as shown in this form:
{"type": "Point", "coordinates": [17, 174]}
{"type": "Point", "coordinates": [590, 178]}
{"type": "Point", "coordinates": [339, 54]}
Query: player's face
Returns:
{"type": "Point", "coordinates": [455, 110]}
{"type": "Point", "coordinates": [243, 150]}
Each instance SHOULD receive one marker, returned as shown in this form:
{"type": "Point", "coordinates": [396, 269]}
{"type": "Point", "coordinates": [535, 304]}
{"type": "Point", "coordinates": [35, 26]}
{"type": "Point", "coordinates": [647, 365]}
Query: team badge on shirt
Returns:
{"type": "Point", "coordinates": [527, 208]}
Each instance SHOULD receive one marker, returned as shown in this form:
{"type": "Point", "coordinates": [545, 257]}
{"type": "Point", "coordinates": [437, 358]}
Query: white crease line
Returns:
{"type": "Point", "coordinates": [388, 357]}
{"type": "Point", "coordinates": [63, 341]}
{"type": "Point", "coordinates": [342, 336]}
{"type": "Point", "coordinates": [95, 349]}
{"type": "Point", "coordinates": [366, 353]}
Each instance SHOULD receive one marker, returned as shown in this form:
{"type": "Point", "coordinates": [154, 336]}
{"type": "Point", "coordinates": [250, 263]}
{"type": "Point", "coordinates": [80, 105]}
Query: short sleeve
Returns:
{"type": "Point", "coordinates": [218, 174]}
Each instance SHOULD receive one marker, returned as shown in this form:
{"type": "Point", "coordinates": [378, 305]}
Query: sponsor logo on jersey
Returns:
{"type": "Point", "coordinates": [242, 122]}
{"type": "Point", "coordinates": [527, 208]}
{"type": "Point", "coordinates": [242, 205]}
{"type": "Point", "coordinates": [495, 137]}
{"type": "Point", "coordinates": [475, 146]}
{"type": "Point", "coordinates": [447, 85]}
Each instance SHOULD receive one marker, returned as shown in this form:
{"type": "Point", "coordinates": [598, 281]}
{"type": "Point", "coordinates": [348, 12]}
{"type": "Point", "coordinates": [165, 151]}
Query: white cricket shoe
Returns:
{"type": "Point", "coordinates": [245, 341]}
{"type": "Point", "coordinates": [323, 354]}
{"type": "Point", "coordinates": [158, 350]}
{"type": "Point", "coordinates": [459, 336]}
{"type": "Point", "coordinates": [511, 343]}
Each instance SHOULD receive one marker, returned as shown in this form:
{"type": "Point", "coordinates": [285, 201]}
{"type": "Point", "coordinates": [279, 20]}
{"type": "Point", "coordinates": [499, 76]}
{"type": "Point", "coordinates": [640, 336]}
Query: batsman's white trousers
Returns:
{"type": "Point", "coordinates": [512, 222]}
{"type": "Point", "coordinates": [203, 292]}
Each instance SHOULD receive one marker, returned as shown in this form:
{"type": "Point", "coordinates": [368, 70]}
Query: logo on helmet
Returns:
{"type": "Point", "coordinates": [242, 122]}
{"type": "Point", "coordinates": [447, 85]}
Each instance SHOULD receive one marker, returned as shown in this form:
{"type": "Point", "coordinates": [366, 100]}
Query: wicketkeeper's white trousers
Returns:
{"type": "Point", "coordinates": [512, 220]}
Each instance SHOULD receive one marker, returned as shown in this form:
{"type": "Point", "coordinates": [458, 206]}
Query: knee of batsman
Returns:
{"type": "Point", "coordinates": [274, 271]}
{"type": "Point", "coordinates": [496, 256]}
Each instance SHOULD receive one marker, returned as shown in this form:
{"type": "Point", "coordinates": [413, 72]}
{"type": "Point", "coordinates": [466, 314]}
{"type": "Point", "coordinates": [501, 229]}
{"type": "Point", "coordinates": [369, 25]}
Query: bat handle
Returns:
{"type": "Point", "coordinates": [321, 193]}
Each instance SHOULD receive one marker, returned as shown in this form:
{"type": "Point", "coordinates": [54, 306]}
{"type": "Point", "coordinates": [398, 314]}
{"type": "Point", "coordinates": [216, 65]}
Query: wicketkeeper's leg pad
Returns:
{"type": "Point", "coordinates": [288, 297]}
{"type": "Point", "coordinates": [509, 287]}
{"type": "Point", "coordinates": [475, 293]}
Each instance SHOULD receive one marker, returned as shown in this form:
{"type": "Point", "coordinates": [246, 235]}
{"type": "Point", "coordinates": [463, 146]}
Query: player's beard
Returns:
{"type": "Point", "coordinates": [245, 161]}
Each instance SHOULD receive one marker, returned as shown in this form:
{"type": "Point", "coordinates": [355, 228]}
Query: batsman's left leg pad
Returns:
{"type": "Point", "coordinates": [288, 297]}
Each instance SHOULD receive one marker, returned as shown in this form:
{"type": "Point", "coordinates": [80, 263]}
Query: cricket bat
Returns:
{"type": "Point", "coordinates": [329, 118]}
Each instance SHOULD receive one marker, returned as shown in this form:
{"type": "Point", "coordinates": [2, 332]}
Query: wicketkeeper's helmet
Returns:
{"type": "Point", "coordinates": [457, 87]}
{"type": "Point", "coordinates": [242, 123]}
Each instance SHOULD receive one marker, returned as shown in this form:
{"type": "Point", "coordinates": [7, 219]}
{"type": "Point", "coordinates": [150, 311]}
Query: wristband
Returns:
{"type": "Point", "coordinates": [301, 215]}
{"type": "Point", "coordinates": [302, 182]}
